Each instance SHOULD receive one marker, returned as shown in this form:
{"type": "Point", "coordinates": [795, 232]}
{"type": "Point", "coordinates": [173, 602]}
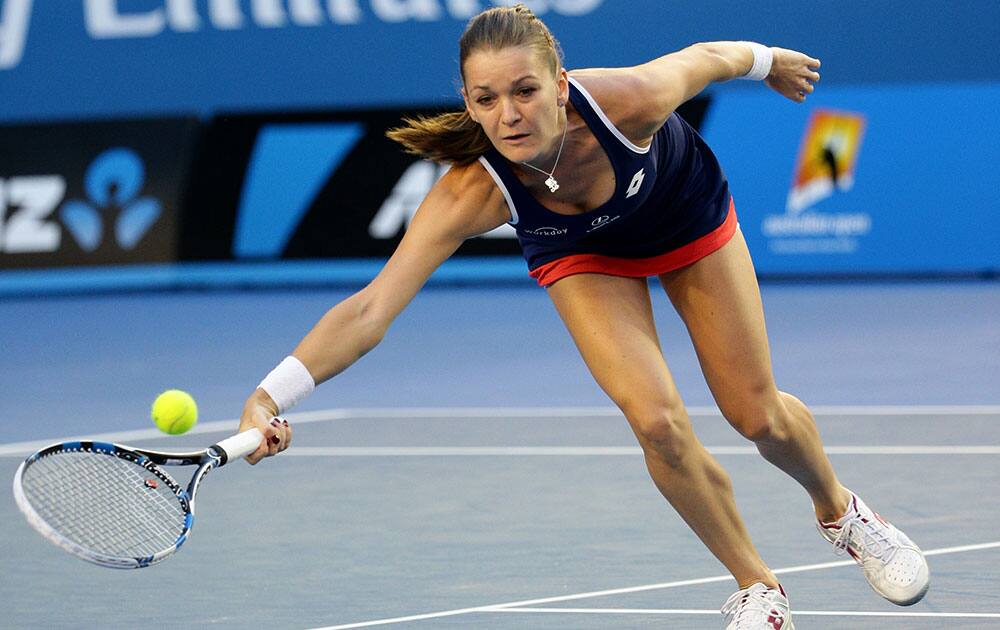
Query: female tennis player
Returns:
{"type": "Point", "coordinates": [606, 185]}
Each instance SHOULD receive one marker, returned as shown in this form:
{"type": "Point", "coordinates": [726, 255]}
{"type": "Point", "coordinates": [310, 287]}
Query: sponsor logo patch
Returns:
{"type": "Point", "coordinates": [826, 166]}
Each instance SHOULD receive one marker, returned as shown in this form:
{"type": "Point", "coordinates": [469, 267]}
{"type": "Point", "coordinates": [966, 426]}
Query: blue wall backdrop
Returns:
{"type": "Point", "coordinates": [917, 188]}
{"type": "Point", "coordinates": [66, 59]}
{"type": "Point", "coordinates": [888, 169]}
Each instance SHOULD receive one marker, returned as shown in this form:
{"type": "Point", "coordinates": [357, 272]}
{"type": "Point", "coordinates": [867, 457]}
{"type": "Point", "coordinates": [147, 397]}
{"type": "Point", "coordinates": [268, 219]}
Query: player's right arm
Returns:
{"type": "Point", "coordinates": [463, 203]}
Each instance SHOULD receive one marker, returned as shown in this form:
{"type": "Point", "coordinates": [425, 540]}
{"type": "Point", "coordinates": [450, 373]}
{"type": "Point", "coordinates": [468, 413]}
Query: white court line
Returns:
{"type": "Point", "coordinates": [631, 589]}
{"type": "Point", "coordinates": [613, 412]}
{"type": "Point", "coordinates": [19, 450]}
{"type": "Point", "coordinates": [905, 410]}
{"type": "Point", "coordinates": [603, 451]}
{"type": "Point", "coordinates": [795, 613]}
{"type": "Point", "coordinates": [492, 413]}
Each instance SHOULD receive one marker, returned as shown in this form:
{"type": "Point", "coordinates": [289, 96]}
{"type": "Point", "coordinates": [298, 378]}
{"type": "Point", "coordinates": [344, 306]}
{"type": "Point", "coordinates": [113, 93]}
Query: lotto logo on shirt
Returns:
{"type": "Point", "coordinates": [827, 157]}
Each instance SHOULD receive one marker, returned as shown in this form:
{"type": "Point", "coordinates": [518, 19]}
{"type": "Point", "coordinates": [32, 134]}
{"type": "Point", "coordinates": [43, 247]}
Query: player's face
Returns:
{"type": "Point", "coordinates": [513, 94]}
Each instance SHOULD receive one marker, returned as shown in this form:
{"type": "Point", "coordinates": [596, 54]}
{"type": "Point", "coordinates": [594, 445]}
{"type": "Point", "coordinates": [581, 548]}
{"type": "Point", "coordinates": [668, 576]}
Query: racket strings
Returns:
{"type": "Point", "coordinates": [109, 505]}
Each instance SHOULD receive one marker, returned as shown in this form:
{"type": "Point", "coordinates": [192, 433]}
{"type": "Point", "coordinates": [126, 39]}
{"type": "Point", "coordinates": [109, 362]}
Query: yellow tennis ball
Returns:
{"type": "Point", "coordinates": [174, 411]}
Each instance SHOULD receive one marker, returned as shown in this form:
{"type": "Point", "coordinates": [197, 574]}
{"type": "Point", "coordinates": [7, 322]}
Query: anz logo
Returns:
{"type": "Point", "coordinates": [113, 184]}
{"type": "Point", "coordinates": [25, 206]}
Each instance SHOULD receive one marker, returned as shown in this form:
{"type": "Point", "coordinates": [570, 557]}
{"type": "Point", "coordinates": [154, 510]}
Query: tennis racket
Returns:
{"type": "Point", "coordinates": [114, 505]}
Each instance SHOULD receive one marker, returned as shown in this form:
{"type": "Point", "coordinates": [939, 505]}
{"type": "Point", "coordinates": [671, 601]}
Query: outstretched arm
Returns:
{"type": "Point", "coordinates": [680, 76]}
{"type": "Point", "coordinates": [463, 203]}
{"type": "Point", "coordinates": [641, 98]}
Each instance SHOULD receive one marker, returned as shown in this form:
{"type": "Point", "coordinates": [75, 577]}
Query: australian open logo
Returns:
{"type": "Point", "coordinates": [824, 170]}
{"type": "Point", "coordinates": [547, 231]}
{"type": "Point", "coordinates": [113, 185]}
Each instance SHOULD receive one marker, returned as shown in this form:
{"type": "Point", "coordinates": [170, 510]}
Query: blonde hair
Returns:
{"type": "Point", "coordinates": [454, 137]}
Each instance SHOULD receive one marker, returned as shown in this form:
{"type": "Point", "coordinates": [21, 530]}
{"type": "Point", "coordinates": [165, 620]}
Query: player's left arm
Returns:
{"type": "Point", "coordinates": [647, 94]}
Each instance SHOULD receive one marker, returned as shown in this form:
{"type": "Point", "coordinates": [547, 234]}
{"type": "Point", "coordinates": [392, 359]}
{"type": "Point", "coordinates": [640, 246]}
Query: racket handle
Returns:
{"type": "Point", "coordinates": [239, 445]}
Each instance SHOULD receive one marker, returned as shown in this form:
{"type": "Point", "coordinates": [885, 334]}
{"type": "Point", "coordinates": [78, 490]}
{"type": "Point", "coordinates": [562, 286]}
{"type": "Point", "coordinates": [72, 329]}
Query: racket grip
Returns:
{"type": "Point", "coordinates": [239, 445]}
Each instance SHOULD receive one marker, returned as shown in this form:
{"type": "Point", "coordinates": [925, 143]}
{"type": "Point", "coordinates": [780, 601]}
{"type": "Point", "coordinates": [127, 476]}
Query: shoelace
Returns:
{"type": "Point", "coordinates": [874, 536]}
{"type": "Point", "coordinates": [750, 607]}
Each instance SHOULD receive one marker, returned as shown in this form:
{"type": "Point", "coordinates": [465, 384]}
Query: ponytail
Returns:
{"type": "Point", "coordinates": [452, 137]}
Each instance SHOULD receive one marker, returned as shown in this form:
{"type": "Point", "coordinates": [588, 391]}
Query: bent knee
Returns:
{"type": "Point", "coordinates": [666, 431]}
{"type": "Point", "coordinates": [760, 424]}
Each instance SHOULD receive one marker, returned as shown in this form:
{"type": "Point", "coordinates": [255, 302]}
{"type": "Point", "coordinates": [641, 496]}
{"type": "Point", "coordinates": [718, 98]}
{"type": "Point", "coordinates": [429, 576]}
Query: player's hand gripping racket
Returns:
{"type": "Point", "coordinates": [113, 505]}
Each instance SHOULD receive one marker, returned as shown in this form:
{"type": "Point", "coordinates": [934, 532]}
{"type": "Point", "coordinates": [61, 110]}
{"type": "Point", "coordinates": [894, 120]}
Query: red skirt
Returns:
{"type": "Point", "coordinates": [558, 269]}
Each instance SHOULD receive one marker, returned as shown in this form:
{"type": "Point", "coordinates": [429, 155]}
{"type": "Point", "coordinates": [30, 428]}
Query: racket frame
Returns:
{"type": "Point", "coordinates": [150, 460]}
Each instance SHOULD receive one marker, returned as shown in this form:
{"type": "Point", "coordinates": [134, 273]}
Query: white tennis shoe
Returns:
{"type": "Point", "coordinates": [892, 564]}
{"type": "Point", "coordinates": [758, 607]}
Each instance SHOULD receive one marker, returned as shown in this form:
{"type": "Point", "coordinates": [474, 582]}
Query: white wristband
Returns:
{"type": "Point", "coordinates": [762, 59]}
{"type": "Point", "coordinates": [288, 383]}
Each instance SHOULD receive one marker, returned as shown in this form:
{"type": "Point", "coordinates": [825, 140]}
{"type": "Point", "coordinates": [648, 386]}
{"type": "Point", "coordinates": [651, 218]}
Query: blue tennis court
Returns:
{"type": "Point", "coordinates": [469, 474]}
{"type": "Point", "coordinates": [188, 186]}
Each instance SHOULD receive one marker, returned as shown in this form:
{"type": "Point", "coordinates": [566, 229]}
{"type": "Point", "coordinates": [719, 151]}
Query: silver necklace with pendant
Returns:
{"type": "Point", "coordinates": [551, 181]}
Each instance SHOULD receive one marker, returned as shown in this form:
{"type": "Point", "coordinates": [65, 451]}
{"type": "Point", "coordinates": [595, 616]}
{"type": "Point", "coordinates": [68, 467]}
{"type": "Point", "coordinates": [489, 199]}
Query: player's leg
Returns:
{"type": "Point", "coordinates": [611, 321]}
{"type": "Point", "coordinates": [719, 301]}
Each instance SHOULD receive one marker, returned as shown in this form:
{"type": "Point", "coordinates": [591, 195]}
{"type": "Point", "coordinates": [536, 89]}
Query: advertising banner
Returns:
{"type": "Point", "coordinates": [316, 186]}
{"type": "Point", "coordinates": [865, 180]}
{"type": "Point", "coordinates": [86, 58]}
{"type": "Point", "coordinates": [92, 193]}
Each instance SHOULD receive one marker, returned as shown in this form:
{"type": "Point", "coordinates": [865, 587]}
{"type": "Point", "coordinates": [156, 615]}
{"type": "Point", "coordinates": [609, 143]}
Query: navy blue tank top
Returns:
{"type": "Point", "coordinates": [666, 195]}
